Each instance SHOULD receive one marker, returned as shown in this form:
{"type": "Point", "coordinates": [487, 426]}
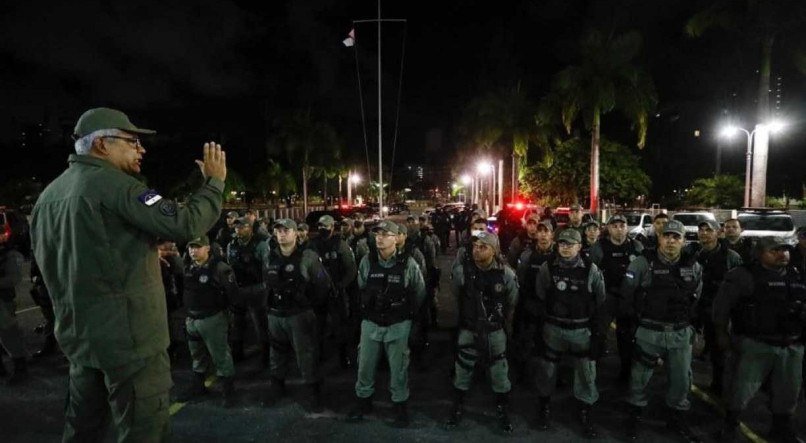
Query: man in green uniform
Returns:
{"type": "Point", "coordinates": [430, 246]}
{"type": "Point", "coordinates": [574, 220]}
{"type": "Point", "coordinates": [571, 294]}
{"type": "Point", "coordinates": [247, 254]}
{"type": "Point", "coordinates": [765, 305]}
{"type": "Point", "coordinates": [296, 282]}
{"type": "Point", "coordinates": [302, 235]}
{"type": "Point", "coordinates": [417, 338]}
{"type": "Point", "coordinates": [716, 260]}
{"type": "Point", "coordinates": [660, 290]}
{"type": "Point", "coordinates": [486, 291]}
{"type": "Point", "coordinates": [94, 233]}
{"type": "Point", "coordinates": [524, 241]}
{"type": "Point", "coordinates": [590, 236]}
{"type": "Point", "coordinates": [209, 288]}
{"type": "Point", "coordinates": [392, 289]}
{"type": "Point", "coordinates": [650, 241]}
{"type": "Point", "coordinates": [10, 334]}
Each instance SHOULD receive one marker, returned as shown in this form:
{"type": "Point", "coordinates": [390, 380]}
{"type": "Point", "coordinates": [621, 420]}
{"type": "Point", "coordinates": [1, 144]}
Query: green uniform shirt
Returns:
{"type": "Point", "coordinates": [738, 284]}
{"type": "Point", "coordinates": [639, 274]}
{"type": "Point", "coordinates": [596, 284]}
{"type": "Point", "coordinates": [412, 277]}
{"type": "Point", "coordinates": [510, 285]}
{"type": "Point", "coordinates": [223, 275]}
{"type": "Point", "coordinates": [313, 271]}
{"type": "Point", "coordinates": [94, 233]}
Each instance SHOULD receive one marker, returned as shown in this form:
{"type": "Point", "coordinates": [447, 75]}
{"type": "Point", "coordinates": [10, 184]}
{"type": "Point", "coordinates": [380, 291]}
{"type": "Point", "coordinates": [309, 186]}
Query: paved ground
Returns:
{"type": "Point", "coordinates": [34, 412]}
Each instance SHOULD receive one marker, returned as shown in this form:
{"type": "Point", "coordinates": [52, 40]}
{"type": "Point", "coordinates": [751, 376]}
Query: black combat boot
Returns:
{"type": "Point", "coordinates": [20, 373]}
{"type": "Point", "coordinates": [401, 415]}
{"type": "Point", "coordinates": [730, 428]}
{"type": "Point", "coordinates": [237, 351]}
{"type": "Point", "coordinates": [265, 351]}
{"type": "Point", "coordinates": [274, 393]}
{"type": "Point", "coordinates": [677, 423]}
{"type": "Point", "coordinates": [458, 409]}
{"type": "Point", "coordinates": [363, 406]}
{"type": "Point", "coordinates": [782, 429]}
{"type": "Point", "coordinates": [227, 392]}
{"type": "Point", "coordinates": [501, 413]}
{"type": "Point", "coordinates": [48, 347]}
{"type": "Point", "coordinates": [544, 413]}
{"type": "Point", "coordinates": [196, 388]}
{"type": "Point", "coordinates": [314, 402]}
{"type": "Point", "coordinates": [635, 423]}
{"type": "Point", "coordinates": [588, 428]}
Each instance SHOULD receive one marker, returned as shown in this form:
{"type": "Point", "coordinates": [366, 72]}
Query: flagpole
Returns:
{"type": "Point", "coordinates": [380, 124]}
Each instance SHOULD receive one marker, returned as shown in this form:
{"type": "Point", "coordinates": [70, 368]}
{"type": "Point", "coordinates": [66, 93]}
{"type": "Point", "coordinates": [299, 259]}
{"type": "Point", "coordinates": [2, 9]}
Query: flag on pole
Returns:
{"type": "Point", "coordinates": [350, 40]}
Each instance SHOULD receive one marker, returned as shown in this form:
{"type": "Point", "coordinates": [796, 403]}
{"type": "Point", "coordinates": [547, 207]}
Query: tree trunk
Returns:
{"type": "Point", "coordinates": [594, 178]}
{"type": "Point", "coordinates": [758, 193]}
{"type": "Point", "coordinates": [305, 189]}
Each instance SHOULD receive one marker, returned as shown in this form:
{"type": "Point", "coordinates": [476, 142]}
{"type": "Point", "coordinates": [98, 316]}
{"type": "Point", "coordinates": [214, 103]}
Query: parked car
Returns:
{"type": "Point", "coordinates": [692, 220]}
{"type": "Point", "coordinates": [14, 224]}
{"type": "Point", "coordinates": [763, 222]}
{"type": "Point", "coordinates": [562, 217]}
{"type": "Point", "coordinates": [398, 208]}
{"type": "Point", "coordinates": [638, 223]}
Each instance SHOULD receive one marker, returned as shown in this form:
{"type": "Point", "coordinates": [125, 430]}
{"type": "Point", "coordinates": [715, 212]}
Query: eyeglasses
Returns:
{"type": "Point", "coordinates": [135, 142]}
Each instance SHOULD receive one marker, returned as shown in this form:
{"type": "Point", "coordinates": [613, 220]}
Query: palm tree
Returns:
{"type": "Point", "coordinates": [274, 182]}
{"type": "Point", "coordinates": [604, 79]}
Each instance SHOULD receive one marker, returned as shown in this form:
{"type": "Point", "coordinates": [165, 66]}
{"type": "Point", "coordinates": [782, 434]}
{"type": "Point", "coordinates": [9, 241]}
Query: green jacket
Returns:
{"type": "Point", "coordinates": [94, 233]}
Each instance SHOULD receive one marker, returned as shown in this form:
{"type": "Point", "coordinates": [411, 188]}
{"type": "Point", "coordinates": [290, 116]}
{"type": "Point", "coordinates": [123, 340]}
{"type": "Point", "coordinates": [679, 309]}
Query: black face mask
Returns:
{"type": "Point", "coordinates": [324, 232]}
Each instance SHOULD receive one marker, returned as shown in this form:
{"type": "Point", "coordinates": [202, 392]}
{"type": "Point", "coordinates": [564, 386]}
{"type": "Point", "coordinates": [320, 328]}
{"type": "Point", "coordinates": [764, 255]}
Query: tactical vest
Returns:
{"type": "Point", "coordinates": [536, 259]}
{"type": "Point", "coordinates": [569, 297]}
{"type": "Point", "coordinates": [6, 293]}
{"type": "Point", "coordinates": [743, 247]}
{"type": "Point", "coordinates": [202, 291]}
{"type": "Point", "coordinates": [672, 292]}
{"type": "Point", "coordinates": [245, 262]}
{"type": "Point", "coordinates": [356, 238]}
{"type": "Point", "coordinates": [285, 283]}
{"type": "Point", "coordinates": [650, 244]}
{"type": "Point", "coordinates": [615, 259]}
{"type": "Point", "coordinates": [328, 250]}
{"type": "Point", "coordinates": [385, 299]}
{"type": "Point", "coordinates": [714, 266]}
{"type": "Point", "coordinates": [482, 298]}
{"type": "Point", "coordinates": [777, 306]}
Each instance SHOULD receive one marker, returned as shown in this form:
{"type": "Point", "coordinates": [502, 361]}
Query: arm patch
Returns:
{"type": "Point", "coordinates": [149, 197]}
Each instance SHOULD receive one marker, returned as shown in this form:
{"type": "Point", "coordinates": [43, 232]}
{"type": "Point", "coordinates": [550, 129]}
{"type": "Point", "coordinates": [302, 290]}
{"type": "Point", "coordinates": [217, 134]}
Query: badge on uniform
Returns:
{"type": "Point", "coordinates": [629, 275]}
{"type": "Point", "coordinates": [289, 267]}
{"type": "Point", "coordinates": [203, 279]}
{"type": "Point", "coordinates": [167, 208]}
{"type": "Point", "coordinates": [562, 285]}
{"type": "Point", "coordinates": [149, 197]}
{"type": "Point", "coordinates": [499, 287]}
{"type": "Point", "coordinates": [632, 257]}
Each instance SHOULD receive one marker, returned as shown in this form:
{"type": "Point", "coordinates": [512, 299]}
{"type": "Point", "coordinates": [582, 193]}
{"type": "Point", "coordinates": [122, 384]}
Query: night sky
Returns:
{"type": "Point", "coordinates": [227, 70]}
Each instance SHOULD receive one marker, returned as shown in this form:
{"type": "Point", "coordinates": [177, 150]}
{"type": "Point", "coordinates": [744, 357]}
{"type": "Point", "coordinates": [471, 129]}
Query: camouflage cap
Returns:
{"type": "Point", "coordinates": [713, 224]}
{"type": "Point", "coordinates": [770, 243]}
{"type": "Point", "coordinates": [570, 235]}
{"type": "Point", "coordinates": [326, 221]}
{"type": "Point", "coordinates": [488, 238]}
{"type": "Point", "coordinates": [285, 223]}
{"type": "Point", "coordinates": [388, 226]}
{"type": "Point", "coordinates": [97, 119]}
{"type": "Point", "coordinates": [674, 227]}
{"type": "Point", "coordinates": [616, 219]}
{"type": "Point", "coordinates": [200, 241]}
{"type": "Point", "coordinates": [402, 229]}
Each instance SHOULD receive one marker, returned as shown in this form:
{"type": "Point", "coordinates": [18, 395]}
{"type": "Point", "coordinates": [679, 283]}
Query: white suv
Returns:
{"type": "Point", "coordinates": [767, 223]}
{"type": "Point", "coordinates": [692, 221]}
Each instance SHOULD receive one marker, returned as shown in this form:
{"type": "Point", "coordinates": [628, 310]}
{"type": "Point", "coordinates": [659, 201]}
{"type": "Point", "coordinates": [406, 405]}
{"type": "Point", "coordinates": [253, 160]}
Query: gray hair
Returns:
{"type": "Point", "coordinates": [84, 144]}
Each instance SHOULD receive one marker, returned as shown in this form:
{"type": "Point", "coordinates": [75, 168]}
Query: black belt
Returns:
{"type": "Point", "coordinates": [568, 323]}
{"type": "Point", "coordinates": [663, 326]}
{"type": "Point", "coordinates": [286, 312]}
{"type": "Point", "coordinates": [199, 315]}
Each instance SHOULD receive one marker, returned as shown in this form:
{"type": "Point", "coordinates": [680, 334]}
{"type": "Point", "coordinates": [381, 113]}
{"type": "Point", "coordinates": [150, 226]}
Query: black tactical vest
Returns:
{"type": "Point", "coordinates": [385, 299]}
{"type": "Point", "coordinates": [245, 262]}
{"type": "Point", "coordinates": [569, 297]}
{"type": "Point", "coordinates": [536, 259]}
{"type": "Point", "coordinates": [202, 291]}
{"type": "Point", "coordinates": [615, 259]}
{"type": "Point", "coordinates": [672, 292]}
{"type": "Point", "coordinates": [328, 250]}
{"type": "Point", "coordinates": [483, 298]}
{"type": "Point", "coordinates": [714, 266]}
{"type": "Point", "coordinates": [777, 306]}
{"type": "Point", "coordinates": [285, 283]}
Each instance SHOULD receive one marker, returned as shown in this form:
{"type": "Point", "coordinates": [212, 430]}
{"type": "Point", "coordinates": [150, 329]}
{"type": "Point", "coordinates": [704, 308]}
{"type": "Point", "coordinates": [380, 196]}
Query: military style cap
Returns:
{"type": "Point", "coordinates": [302, 227]}
{"type": "Point", "coordinates": [675, 227]}
{"type": "Point", "coordinates": [241, 221]}
{"type": "Point", "coordinates": [105, 118]}
{"type": "Point", "coordinates": [488, 238]}
{"type": "Point", "coordinates": [617, 218]}
{"type": "Point", "coordinates": [326, 221]}
{"type": "Point", "coordinates": [346, 222]}
{"type": "Point", "coordinates": [546, 224]}
{"type": "Point", "coordinates": [575, 207]}
{"type": "Point", "coordinates": [201, 241]}
{"type": "Point", "coordinates": [713, 224]}
{"type": "Point", "coordinates": [233, 214]}
{"type": "Point", "coordinates": [771, 243]}
{"type": "Point", "coordinates": [402, 229]}
{"type": "Point", "coordinates": [586, 225]}
{"type": "Point", "coordinates": [570, 235]}
{"type": "Point", "coordinates": [286, 223]}
{"type": "Point", "coordinates": [388, 226]}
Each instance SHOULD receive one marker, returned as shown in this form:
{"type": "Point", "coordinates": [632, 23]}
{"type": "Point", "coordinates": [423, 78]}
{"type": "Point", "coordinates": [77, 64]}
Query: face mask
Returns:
{"type": "Point", "coordinates": [324, 233]}
{"type": "Point", "coordinates": [475, 232]}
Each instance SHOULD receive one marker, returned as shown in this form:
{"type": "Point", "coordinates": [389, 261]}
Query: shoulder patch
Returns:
{"type": "Point", "coordinates": [629, 275]}
{"type": "Point", "coordinates": [168, 208]}
{"type": "Point", "coordinates": [149, 197]}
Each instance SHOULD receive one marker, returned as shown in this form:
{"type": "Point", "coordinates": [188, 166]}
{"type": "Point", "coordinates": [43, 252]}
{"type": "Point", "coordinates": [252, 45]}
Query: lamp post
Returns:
{"type": "Point", "coordinates": [485, 168]}
{"type": "Point", "coordinates": [731, 130]}
{"type": "Point", "coordinates": [466, 181]}
{"type": "Point", "coordinates": [352, 179]}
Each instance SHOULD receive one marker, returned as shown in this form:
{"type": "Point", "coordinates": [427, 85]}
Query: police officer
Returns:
{"type": "Point", "coordinates": [574, 220]}
{"type": "Point", "coordinates": [359, 233]}
{"type": "Point", "coordinates": [302, 235]}
{"type": "Point", "coordinates": [661, 290]}
{"type": "Point", "coordinates": [650, 241]}
{"type": "Point", "coordinates": [108, 301]}
{"type": "Point", "coordinates": [764, 304]}
{"type": "Point", "coordinates": [227, 232]}
{"type": "Point", "coordinates": [430, 246]}
{"type": "Point", "coordinates": [246, 254]}
{"type": "Point", "coordinates": [172, 272]}
{"type": "Point", "coordinates": [209, 288]}
{"type": "Point", "coordinates": [486, 291]}
{"type": "Point", "coordinates": [418, 341]}
{"type": "Point", "coordinates": [392, 290]}
{"type": "Point", "coordinates": [40, 296]}
{"type": "Point", "coordinates": [571, 294]}
{"type": "Point", "coordinates": [525, 240]}
{"type": "Point", "coordinates": [296, 282]}
{"type": "Point", "coordinates": [465, 250]}
{"type": "Point", "coordinates": [339, 262]}
{"type": "Point", "coordinates": [612, 255]}
{"type": "Point", "coordinates": [250, 216]}
{"type": "Point", "coordinates": [590, 236]}
{"type": "Point", "coordinates": [716, 260]}
{"type": "Point", "coordinates": [10, 334]}
{"type": "Point", "coordinates": [734, 240]}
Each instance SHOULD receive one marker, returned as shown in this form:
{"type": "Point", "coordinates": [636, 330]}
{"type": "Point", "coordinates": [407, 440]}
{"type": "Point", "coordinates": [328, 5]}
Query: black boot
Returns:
{"type": "Point", "coordinates": [544, 414]}
{"type": "Point", "coordinates": [458, 409]}
{"type": "Point", "coordinates": [275, 392]}
{"type": "Point", "coordinates": [265, 351]}
{"type": "Point", "coordinates": [237, 351]}
{"type": "Point", "coordinates": [635, 423]}
{"type": "Point", "coordinates": [677, 423]}
{"type": "Point", "coordinates": [782, 429]}
{"type": "Point", "coordinates": [196, 388]}
{"type": "Point", "coordinates": [401, 415]}
{"type": "Point", "coordinates": [48, 347]}
{"type": "Point", "coordinates": [501, 413]}
{"type": "Point", "coordinates": [227, 392]}
{"type": "Point", "coordinates": [314, 403]}
{"type": "Point", "coordinates": [363, 406]}
{"type": "Point", "coordinates": [730, 428]}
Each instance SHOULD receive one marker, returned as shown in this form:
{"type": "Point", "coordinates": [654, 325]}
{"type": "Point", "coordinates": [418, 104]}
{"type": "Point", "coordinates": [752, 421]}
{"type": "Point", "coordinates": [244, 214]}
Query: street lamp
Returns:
{"type": "Point", "coordinates": [484, 168]}
{"type": "Point", "coordinates": [731, 130]}
{"type": "Point", "coordinates": [352, 179]}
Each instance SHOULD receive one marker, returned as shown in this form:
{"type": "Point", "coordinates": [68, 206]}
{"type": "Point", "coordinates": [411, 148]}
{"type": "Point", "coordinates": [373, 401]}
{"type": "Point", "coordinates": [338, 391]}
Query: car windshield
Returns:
{"type": "Point", "coordinates": [754, 222]}
{"type": "Point", "coordinates": [691, 219]}
{"type": "Point", "coordinates": [633, 219]}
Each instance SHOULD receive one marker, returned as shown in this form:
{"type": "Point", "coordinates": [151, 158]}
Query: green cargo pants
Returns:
{"type": "Point", "coordinates": [136, 393]}
{"type": "Point", "coordinates": [394, 340]}
{"type": "Point", "coordinates": [574, 343]}
{"type": "Point", "coordinates": [294, 335]}
{"type": "Point", "coordinates": [467, 355]}
{"type": "Point", "coordinates": [755, 362]}
{"type": "Point", "coordinates": [207, 340]}
{"type": "Point", "coordinates": [10, 333]}
{"type": "Point", "coordinates": [651, 348]}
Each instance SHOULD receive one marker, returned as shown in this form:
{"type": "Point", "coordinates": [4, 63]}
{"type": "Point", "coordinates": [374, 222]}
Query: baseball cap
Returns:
{"type": "Point", "coordinates": [675, 227]}
{"type": "Point", "coordinates": [616, 218]}
{"type": "Point", "coordinates": [575, 207]}
{"type": "Point", "coordinates": [302, 227]}
{"type": "Point", "coordinates": [569, 235]}
{"type": "Point", "coordinates": [770, 243]}
{"type": "Point", "coordinates": [200, 241]}
{"type": "Point", "coordinates": [591, 223]}
{"type": "Point", "coordinates": [488, 238]}
{"type": "Point", "coordinates": [388, 226]}
{"type": "Point", "coordinates": [326, 221]}
{"type": "Point", "coordinates": [713, 224]}
{"type": "Point", "coordinates": [97, 119]}
{"type": "Point", "coordinates": [241, 221]}
{"type": "Point", "coordinates": [546, 224]}
{"type": "Point", "coordinates": [233, 214]}
{"type": "Point", "coordinates": [402, 229]}
{"type": "Point", "coordinates": [286, 223]}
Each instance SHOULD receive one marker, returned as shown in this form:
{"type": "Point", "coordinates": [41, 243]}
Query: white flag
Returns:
{"type": "Point", "coordinates": [350, 40]}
